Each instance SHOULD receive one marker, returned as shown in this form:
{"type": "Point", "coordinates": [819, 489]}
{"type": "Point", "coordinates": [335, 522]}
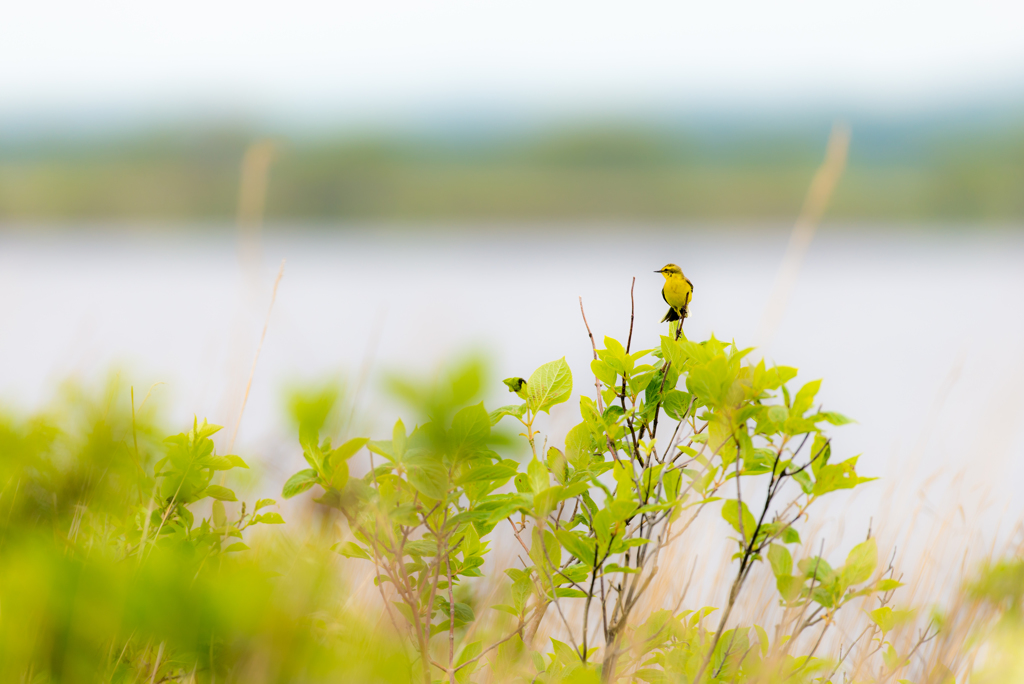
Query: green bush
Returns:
{"type": "Point", "coordinates": [594, 517]}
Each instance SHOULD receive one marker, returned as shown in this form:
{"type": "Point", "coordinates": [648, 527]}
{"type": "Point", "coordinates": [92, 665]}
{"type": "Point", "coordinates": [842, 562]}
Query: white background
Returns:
{"type": "Point", "coordinates": [360, 58]}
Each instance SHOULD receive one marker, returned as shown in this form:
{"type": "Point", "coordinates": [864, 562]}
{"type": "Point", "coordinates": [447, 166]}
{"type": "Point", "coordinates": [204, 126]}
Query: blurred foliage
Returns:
{"type": "Point", "coordinates": [897, 171]}
{"type": "Point", "coordinates": [1000, 585]}
{"type": "Point", "coordinates": [125, 556]}
{"type": "Point", "coordinates": [121, 560]}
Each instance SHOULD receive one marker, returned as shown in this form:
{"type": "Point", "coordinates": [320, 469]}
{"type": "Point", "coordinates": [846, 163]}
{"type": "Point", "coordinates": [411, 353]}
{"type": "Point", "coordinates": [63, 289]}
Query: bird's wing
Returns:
{"type": "Point", "coordinates": [689, 283]}
{"type": "Point", "coordinates": [663, 294]}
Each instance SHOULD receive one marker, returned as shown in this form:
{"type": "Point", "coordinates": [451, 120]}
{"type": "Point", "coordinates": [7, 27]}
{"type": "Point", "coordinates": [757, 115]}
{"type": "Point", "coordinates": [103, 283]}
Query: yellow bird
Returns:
{"type": "Point", "coordinates": [677, 293]}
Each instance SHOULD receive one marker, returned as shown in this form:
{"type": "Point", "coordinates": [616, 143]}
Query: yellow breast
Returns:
{"type": "Point", "coordinates": [678, 291]}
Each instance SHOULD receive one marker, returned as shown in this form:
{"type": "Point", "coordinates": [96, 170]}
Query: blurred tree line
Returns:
{"type": "Point", "coordinates": [936, 170]}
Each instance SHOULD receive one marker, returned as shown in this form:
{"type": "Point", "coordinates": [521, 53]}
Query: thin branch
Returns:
{"type": "Point", "coordinates": [593, 346]}
{"type": "Point", "coordinates": [632, 312]}
{"type": "Point", "coordinates": [490, 648]}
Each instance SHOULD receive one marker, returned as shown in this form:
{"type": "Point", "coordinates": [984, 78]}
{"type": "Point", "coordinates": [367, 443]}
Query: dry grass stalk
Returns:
{"type": "Point", "coordinates": [259, 348]}
{"type": "Point", "coordinates": [818, 195]}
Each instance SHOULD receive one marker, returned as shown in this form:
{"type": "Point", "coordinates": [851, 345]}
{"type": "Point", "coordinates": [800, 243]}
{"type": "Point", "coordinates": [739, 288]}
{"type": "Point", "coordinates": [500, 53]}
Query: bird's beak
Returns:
{"type": "Point", "coordinates": [657, 271]}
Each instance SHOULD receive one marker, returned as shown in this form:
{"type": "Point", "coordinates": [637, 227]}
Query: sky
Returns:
{"type": "Point", "coordinates": [395, 58]}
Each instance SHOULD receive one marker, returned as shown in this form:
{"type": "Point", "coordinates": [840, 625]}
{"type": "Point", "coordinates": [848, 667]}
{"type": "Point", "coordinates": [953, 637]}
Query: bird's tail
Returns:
{"type": "Point", "coordinates": [672, 315]}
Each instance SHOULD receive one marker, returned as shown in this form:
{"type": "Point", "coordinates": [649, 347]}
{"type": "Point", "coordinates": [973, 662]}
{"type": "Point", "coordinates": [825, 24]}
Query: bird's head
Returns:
{"type": "Point", "coordinates": [670, 270]}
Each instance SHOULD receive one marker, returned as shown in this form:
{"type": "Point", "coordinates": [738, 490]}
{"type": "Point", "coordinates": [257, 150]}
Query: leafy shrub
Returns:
{"type": "Point", "coordinates": [594, 517]}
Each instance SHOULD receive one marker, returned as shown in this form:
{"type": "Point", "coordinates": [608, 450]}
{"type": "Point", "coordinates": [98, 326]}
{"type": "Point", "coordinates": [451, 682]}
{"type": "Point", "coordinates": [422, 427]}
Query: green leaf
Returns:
{"type": "Point", "coordinates": [470, 429]}
{"type": "Point", "coordinates": [860, 563]}
{"type": "Point", "coordinates": [883, 617]}
{"type": "Point", "coordinates": [790, 536]}
{"type": "Point", "coordinates": [557, 464]}
{"type": "Point", "coordinates": [817, 568]}
{"type": "Point", "coordinates": [672, 479]}
{"type": "Point", "coordinates": [545, 500]}
{"type": "Point", "coordinates": [311, 452]}
{"type": "Point", "coordinates": [220, 518]}
{"type": "Point", "coordinates": [487, 473]}
{"type": "Point", "coordinates": [236, 461]}
{"type": "Point", "coordinates": [891, 658]}
{"type": "Point", "coordinates": [517, 385]}
{"type": "Point", "coordinates": [339, 478]}
{"type": "Point", "coordinates": [762, 638]}
{"type": "Point", "coordinates": [421, 547]}
{"type": "Point", "coordinates": [384, 449]}
{"type": "Point", "coordinates": [731, 511]}
{"type": "Point", "coordinates": [821, 452]}
{"type": "Point", "coordinates": [623, 474]}
{"type": "Point", "coordinates": [805, 397]}
{"type": "Point", "coordinates": [789, 587]}
{"type": "Point", "coordinates": [469, 652]}
{"type": "Point", "coordinates": [579, 446]}
{"type": "Point", "coordinates": [778, 414]}
{"type": "Point", "coordinates": [701, 614]}
{"type": "Point", "coordinates": [676, 404]}
{"type": "Point", "coordinates": [577, 572]}
{"type": "Point", "coordinates": [299, 482]}
{"type": "Point", "coordinates": [838, 476]}
{"type": "Point", "coordinates": [835, 418]}
{"type": "Point", "coordinates": [652, 676]}
{"type": "Point", "coordinates": [522, 587]}
{"type": "Point", "coordinates": [237, 546]}
{"type": "Point", "coordinates": [221, 462]}
{"type": "Point", "coordinates": [206, 430]}
{"type": "Point", "coordinates": [941, 674]}
{"type": "Point", "coordinates": [549, 385]}
{"type": "Point", "coordinates": [886, 618]}
{"type": "Point", "coordinates": [564, 653]}
{"type": "Point", "coordinates": [262, 503]}
{"type": "Point", "coordinates": [604, 372]}
{"type": "Point", "coordinates": [347, 450]}
{"type": "Point", "coordinates": [780, 559]}
{"type": "Point", "coordinates": [351, 550]}
{"type": "Point", "coordinates": [546, 550]}
{"type": "Point", "coordinates": [580, 547]}
{"type": "Point", "coordinates": [398, 439]}
{"type": "Point", "coordinates": [515, 410]}
{"type": "Point", "coordinates": [269, 518]}
{"type": "Point", "coordinates": [673, 352]}
{"type": "Point", "coordinates": [428, 476]}
{"type": "Point", "coordinates": [537, 473]}
{"type": "Point", "coordinates": [804, 480]}
{"type": "Point", "coordinates": [219, 493]}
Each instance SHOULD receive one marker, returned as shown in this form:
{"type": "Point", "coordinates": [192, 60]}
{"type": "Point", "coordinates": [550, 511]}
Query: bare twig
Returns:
{"type": "Point", "coordinates": [593, 346]}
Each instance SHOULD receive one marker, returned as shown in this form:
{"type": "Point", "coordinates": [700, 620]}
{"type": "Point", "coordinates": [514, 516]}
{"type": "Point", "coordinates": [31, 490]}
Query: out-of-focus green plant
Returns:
{"type": "Point", "coordinates": [411, 515]}
{"type": "Point", "coordinates": [594, 518]}
{"type": "Point", "coordinates": [121, 560]}
{"type": "Point", "coordinates": [999, 592]}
